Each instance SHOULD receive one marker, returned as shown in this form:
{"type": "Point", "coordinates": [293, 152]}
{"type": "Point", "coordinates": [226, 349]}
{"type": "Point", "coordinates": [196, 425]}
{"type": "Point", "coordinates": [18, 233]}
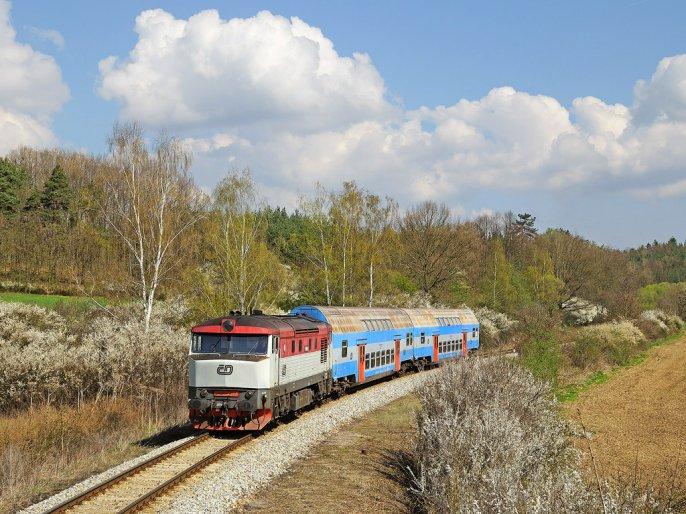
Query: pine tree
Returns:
{"type": "Point", "coordinates": [525, 225]}
{"type": "Point", "coordinates": [12, 179]}
{"type": "Point", "coordinates": [33, 202]}
{"type": "Point", "coordinates": [56, 197]}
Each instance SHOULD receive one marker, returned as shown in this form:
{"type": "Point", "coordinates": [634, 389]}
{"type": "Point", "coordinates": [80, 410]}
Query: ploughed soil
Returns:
{"type": "Point", "coordinates": [637, 419]}
{"type": "Point", "coordinates": [346, 473]}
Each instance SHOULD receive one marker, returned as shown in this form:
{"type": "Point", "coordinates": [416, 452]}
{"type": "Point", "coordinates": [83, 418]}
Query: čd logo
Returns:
{"type": "Point", "coordinates": [224, 369]}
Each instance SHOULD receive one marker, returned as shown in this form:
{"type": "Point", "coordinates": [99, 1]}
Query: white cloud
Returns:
{"type": "Point", "coordinates": [273, 94]}
{"type": "Point", "coordinates": [51, 35]}
{"type": "Point", "coordinates": [31, 90]}
{"type": "Point", "coordinates": [265, 69]}
{"type": "Point", "coordinates": [663, 97]}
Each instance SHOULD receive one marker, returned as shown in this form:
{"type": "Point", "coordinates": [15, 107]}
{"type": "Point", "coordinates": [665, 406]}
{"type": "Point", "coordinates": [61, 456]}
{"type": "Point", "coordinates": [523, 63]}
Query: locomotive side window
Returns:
{"type": "Point", "coordinates": [275, 344]}
{"type": "Point", "coordinates": [293, 346]}
{"type": "Point", "coordinates": [300, 345]}
{"type": "Point", "coordinates": [344, 348]}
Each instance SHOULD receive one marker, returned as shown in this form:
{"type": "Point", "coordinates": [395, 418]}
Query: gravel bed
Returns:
{"type": "Point", "coordinates": [220, 486]}
{"type": "Point", "coordinates": [77, 489]}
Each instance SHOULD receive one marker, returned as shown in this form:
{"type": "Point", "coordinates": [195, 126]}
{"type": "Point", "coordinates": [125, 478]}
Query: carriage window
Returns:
{"type": "Point", "coordinates": [407, 339]}
{"type": "Point", "coordinates": [344, 348]}
{"type": "Point", "coordinates": [421, 336]}
{"type": "Point", "coordinates": [366, 361]}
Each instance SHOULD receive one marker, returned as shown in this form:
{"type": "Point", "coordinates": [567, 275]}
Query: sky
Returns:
{"type": "Point", "coordinates": [573, 111]}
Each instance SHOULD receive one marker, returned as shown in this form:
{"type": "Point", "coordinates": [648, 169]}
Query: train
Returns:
{"type": "Point", "coordinates": [249, 370]}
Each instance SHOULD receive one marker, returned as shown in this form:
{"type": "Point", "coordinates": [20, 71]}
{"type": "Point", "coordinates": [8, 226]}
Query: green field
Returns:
{"type": "Point", "coordinates": [46, 300]}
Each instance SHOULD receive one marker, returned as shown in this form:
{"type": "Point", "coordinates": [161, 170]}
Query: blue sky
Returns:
{"type": "Point", "coordinates": [422, 56]}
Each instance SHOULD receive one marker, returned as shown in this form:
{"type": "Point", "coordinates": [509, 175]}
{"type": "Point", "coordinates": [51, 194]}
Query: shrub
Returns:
{"type": "Point", "coordinates": [489, 440]}
{"type": "Point", "coordinates": [618, 341]}
{"type": "Point", "coordinates": [44, 361]}
{"type": "Point", "coordinates": [541, 354]}
{"type": "Point", "coordinates": [494, 326]}
{"type": "Point", "coordinates": [662, 322]}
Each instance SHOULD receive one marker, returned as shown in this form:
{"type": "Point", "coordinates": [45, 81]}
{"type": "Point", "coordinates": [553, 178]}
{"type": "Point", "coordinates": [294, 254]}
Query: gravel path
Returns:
{"type": "Point", "coordinates": [219, 487]}
{"type": "Point", "coordinates": [75, 490]}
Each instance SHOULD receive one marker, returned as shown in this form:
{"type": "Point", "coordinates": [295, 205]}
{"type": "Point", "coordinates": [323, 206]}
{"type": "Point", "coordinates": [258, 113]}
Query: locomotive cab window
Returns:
{"type": "Point", "coordinates": [238, 344]}
{"type": "Point", "coordinates": [344, 348]}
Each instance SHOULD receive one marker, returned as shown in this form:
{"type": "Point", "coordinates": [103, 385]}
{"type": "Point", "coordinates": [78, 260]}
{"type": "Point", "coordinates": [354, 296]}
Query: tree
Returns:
{"type": "Point", "coordinates": [242, 272]}
{"type": "Point", "coordinates": [151, 202]}
{"type": "Point", "coordinates": [12, 179]}
{"type": "Point", "coordinates": [33, 201]}
{"type": "Point", "coordinates": [431, 256]}
{"type": "Point", "coordinates": [378, 219]}
{"type": "Point", "coordinates": [319, 247]}
{"type": "Point", "coordinates": [56, 196]}
{"type": "Point", "coordinates": [524, 225]}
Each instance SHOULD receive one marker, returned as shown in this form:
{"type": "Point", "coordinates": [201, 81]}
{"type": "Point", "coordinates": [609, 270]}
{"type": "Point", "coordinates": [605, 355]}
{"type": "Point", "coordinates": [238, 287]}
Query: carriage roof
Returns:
{"type": "Point", "coordinates": [360, 319]}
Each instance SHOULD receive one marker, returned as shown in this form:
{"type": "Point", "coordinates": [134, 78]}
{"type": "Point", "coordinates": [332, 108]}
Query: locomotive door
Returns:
{"type": "Point", "coordinates": [464, 344]}
{"type": "Point", "coordinates": [360, 362]}
{"type": "Point", "coordinates": [274, 364]}
{"type": "Point", "coordinates": [397, 354]}
{"type": "Point", "coordinates": [435, 356]}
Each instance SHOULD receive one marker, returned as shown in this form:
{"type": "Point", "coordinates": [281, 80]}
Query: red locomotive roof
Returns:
{"type": "Point", "coordinates": [262, 324]}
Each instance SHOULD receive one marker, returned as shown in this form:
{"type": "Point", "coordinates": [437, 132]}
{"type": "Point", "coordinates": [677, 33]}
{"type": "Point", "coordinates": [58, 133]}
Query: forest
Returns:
{"type": "Point", "coordinates": [133, 225]}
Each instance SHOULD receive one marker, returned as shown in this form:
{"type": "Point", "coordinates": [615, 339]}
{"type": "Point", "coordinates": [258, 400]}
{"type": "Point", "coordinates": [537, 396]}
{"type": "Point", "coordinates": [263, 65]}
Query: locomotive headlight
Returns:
{"type": "Point", "coordinates": [248, 395]}
{"type": "Point", "coordinates": [203, 393]}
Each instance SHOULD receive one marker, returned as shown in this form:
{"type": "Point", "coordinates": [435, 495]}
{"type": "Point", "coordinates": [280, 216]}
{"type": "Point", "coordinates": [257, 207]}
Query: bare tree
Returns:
{"type": "Point", "coordinates": [432, 256]}
{"type": "Point", "coordinates": [152, 202]}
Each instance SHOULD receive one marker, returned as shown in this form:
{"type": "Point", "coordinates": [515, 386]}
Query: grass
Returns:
{"type": "Point", "coordinates": [49, 301]}
{"type": "Point", "coordinates": [45, 449]}
{"type": "Point", "coordinates": [571, 392]}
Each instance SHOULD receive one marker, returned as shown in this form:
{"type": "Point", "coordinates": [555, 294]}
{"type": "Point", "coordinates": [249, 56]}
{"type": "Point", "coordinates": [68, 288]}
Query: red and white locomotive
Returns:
{"type": "Point", "coordinates": [245, 371]}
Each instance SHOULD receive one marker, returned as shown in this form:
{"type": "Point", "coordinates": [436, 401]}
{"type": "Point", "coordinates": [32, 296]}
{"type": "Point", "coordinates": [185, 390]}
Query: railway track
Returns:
{"type": "Point", "coordinates": [130, 490]}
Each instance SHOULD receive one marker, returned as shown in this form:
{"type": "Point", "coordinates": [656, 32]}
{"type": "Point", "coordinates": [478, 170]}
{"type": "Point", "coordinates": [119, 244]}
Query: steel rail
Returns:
{"type": "Point", "coordinates": [152, 494]}
{"type": "Point", "coordinates": [98, 488]}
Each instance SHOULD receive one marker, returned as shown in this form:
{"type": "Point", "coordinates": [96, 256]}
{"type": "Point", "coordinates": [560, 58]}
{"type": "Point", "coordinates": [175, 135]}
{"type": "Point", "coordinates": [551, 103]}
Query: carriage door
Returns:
{"type": "Point", "coordinates": [464, 344]}
{"type": "Point", "coordinates": [397, 354]}
{"type": "Point", "coordinates": [435, 348]}
{"type": "Point", "coordinates": [360, 362]}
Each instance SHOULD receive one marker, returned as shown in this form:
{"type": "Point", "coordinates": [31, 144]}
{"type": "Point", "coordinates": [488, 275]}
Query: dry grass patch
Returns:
{"type": "Point", "coordinates": [46, 449]}
{"type": "Point", "coordinates": [346, 473]}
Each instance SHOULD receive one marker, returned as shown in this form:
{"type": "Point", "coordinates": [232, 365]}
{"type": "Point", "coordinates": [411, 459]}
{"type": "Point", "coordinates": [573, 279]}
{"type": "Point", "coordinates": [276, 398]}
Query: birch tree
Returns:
{"type": "Point", "coordinates": [242, 273]}
{"type": "Point", "coordinates": [151, 202]}
{"type": "Point", "coordinates": [320, 249]}
{"type": "Point", "coordinates": [378, 219]}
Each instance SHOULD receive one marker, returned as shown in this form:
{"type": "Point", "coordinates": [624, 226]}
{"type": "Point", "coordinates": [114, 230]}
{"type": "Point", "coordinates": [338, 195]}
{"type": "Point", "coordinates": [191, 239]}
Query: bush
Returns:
{"type": "Point", "coordinates": [617, 341]}
{"type": "Point", "coordinates": [495, 327]}
{"type": "Point", "coordinates": [489, 440]}
{"type": "Point", "coordinates": [662, 323]}
{"type": "Point", "coordinates": [542, 355]}
{"type": "Point", "coordinates": [46, 360]}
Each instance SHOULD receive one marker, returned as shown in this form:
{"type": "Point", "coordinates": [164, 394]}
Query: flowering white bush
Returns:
{"type": "Point", "coordinates": [582, 312]}
{"type": "Point", "coordinates": [494, 325]}
{"type": "Point", "coordinates": [665, 322]}
{"type": "Point", "coordinates": [490, 440]}
{"type": "Point", "coordinates": [41, 360]}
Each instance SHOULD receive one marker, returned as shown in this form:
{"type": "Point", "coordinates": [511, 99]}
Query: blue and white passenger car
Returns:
{"type": "Point", "coordinates": [369, 343]}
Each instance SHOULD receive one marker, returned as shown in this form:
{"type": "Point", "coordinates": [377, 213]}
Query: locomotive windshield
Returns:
{"type": "Point", "coordinates": [211, 343]}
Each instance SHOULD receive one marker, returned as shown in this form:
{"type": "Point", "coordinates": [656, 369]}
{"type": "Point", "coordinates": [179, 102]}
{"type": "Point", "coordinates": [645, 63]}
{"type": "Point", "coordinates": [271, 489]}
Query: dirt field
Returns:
{"type": "Point", "coordinates": [638, 418]}
{"type": "Point", "coordinates": [344, 474]}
